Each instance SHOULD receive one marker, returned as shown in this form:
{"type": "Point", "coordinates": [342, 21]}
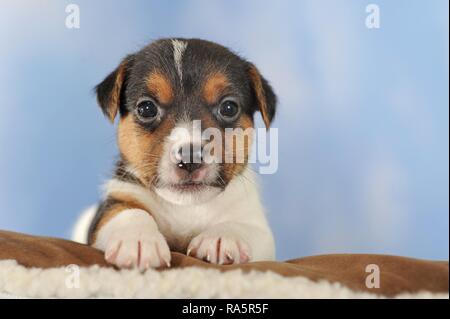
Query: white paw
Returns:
{"type": "Point", "coordinates": [132, 240]}
{"type": "Point", "coordinates": [127, 249]}
{"type": "Point", "coordinates": [223, 249]}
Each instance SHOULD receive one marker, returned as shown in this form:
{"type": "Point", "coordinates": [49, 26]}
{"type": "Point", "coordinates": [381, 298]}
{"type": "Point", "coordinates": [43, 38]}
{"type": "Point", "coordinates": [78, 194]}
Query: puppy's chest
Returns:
{"type": "Point", "coordinates": [180, 224]}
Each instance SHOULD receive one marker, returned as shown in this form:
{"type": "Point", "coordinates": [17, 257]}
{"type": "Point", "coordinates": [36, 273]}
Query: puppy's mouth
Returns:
{"type": "Point", "coordinates": [194, 181]}
{"type": "Point", "coordinates": [190, 187]}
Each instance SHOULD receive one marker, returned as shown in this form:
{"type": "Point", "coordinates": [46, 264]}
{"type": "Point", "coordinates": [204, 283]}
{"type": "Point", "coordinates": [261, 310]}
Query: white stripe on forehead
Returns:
{"type": "Point", "coordinates": [178, 49]}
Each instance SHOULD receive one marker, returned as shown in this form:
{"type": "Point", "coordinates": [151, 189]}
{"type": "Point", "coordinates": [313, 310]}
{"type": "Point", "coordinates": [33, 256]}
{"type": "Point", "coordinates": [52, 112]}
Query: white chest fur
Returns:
{"type": "Point", "coordinates": [239, 202]}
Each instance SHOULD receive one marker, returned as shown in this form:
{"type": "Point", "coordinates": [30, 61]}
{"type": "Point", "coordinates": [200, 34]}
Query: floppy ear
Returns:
{"type": "Point", "coordinates": [110, 90]}
{"type": "Point", "coordinates": [263, 94]}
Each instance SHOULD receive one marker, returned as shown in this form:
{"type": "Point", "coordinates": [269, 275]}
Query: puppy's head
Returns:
{"type": "Point", "coordinates": [186, 112]}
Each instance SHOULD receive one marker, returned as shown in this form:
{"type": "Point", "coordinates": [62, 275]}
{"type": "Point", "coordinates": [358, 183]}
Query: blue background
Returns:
{"type": "Point", "coordinates": [363, 116]}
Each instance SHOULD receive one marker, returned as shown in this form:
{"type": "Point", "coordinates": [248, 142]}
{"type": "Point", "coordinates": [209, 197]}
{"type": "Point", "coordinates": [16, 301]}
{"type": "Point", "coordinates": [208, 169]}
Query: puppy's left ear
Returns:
{"type": "Point", "coordinates": [263, 95]}
{"type": "Point", "coordinates": [110, 92]}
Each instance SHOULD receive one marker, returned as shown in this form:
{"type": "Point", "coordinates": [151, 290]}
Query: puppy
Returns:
{"type": "Point", "coordinates": [165, 195]}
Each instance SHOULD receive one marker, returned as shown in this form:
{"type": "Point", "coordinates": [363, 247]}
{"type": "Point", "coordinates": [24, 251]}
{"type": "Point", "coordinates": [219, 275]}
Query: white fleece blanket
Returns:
{"type": "Point", "coordinates": [96, 282]}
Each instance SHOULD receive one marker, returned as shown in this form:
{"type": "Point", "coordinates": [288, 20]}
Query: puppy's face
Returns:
{"type": "Point", "coordinates": [168, 96]}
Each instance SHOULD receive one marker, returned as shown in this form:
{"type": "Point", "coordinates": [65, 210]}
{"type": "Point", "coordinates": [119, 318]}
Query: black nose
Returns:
{"type": "Point", "coordinates": [190, 167]}
{"type": "Point", "coordinates": [190, 157]}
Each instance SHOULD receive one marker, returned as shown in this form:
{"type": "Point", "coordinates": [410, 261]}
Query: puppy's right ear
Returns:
{"type": "Point", "coordinates": [110, 92]}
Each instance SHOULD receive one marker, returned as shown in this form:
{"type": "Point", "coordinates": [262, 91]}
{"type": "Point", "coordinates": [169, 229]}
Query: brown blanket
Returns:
{"type": "Point", "coordinates": [397, 274]}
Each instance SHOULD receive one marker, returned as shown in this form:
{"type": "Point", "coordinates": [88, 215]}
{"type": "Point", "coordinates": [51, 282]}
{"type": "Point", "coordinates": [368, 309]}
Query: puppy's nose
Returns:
{"type": "Point", "coordinates": [189, 167]}
{"type": "Point", "coordinates": [190, 157]}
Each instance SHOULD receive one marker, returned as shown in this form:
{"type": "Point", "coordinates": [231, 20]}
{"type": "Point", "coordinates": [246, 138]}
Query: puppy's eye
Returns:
{"type": "Point", "coordinates": [228, 110]}
{"type": "Point", "coordinates": [147, 110]}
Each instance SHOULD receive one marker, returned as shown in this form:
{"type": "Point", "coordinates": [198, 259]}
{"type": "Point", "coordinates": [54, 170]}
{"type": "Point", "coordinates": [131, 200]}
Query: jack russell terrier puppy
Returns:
{"type": "Point", "coordinates": [165, 195]}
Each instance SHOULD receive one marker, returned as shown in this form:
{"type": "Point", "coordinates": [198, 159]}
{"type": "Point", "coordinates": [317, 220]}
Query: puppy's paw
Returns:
{"type": "Point", "coordinates": [132, 240]}
{"type": "Point", "coordinates": [223, 248]}
{"type": "Point", "coordinates": [126, 249]}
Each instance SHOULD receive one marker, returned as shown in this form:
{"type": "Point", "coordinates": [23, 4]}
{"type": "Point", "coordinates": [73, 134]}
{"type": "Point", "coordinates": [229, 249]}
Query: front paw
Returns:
{"type": "Point", "coordinates": [142, 251]}
{"type": "Point", "coordinates": [224, 249]}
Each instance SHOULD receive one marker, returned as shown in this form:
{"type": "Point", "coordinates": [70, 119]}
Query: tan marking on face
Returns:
{"type": "Point", "coordinates": [159, 85]}
{"type": "Point", "coordinates": [215, 85]}
{"type": "Point", "coordinates": [126, 202]}
{"type": "Point", "coordinates": [207, 119]}
{"type": "Point", "coordinates": [143, 149]}
{"type": "Point", "coordinates": [242, 143]}
{"type": "Point", "coordinates": [255, 77]}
